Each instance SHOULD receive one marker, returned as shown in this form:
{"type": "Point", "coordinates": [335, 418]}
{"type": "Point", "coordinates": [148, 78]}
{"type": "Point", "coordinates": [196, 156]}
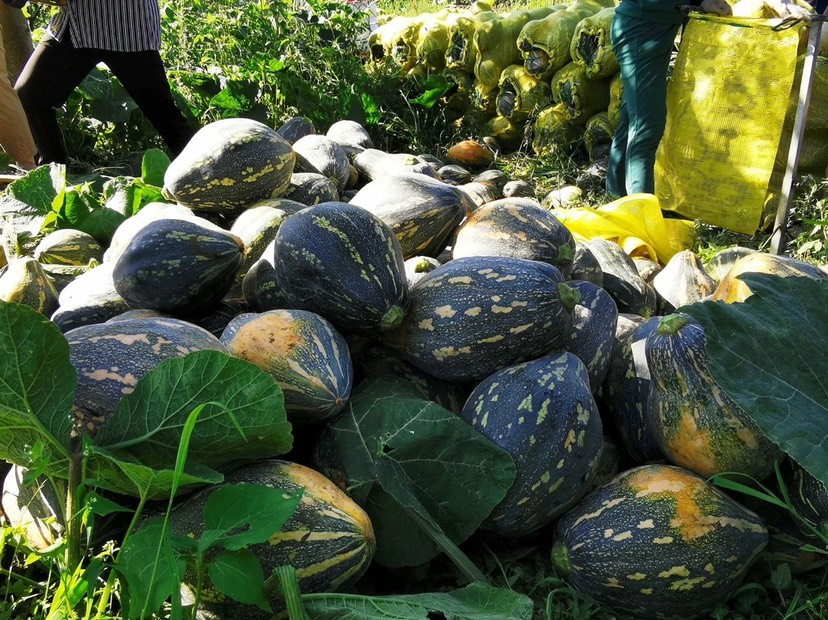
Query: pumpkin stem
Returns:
{"type": "Point", "coordinates": [392, 318]}
{"type": "Point", "coordinates": [560, 559]}
{"type": "Point", "coordinates": [672, 323]}
{"type": "Point", "coordinates": [566, 254]}
{"type": "Point", "coordinates": [569, 296]}
{"type": "Point", "coordinates": [422, 266]}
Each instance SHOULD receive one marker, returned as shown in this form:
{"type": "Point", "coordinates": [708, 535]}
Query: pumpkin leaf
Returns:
{"type": "Point", "coordinates": [239, 515]}
{"type": "Point", "coordinates": [115, 473]}
{"type": "Point", "coordinates": [153, 166]}
{"type": "Point", "coordinates": [152, 568]}
{"type": "Point", "coordinates": [128, 195]}
{"type": "Point", "coordinates": [397, 450]}
{"type": "Point", "coordinates": [42, 189]}
{"type": "Point", "coordinates": [768, 354]}
{"type": "Point", "coordinates": [476, 601]}
{"type": "Point", "coordinates": [239, 575]}
{"type": "Point", "coordinates": [37, 389]}
{"type": "Point", "coordinates": [147, 424]}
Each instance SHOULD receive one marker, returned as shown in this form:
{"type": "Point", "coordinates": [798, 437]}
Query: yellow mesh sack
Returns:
{"type": "Point", "coordinates": [635, 222]}
{"type": "Point", "coordinates": [726, 104]}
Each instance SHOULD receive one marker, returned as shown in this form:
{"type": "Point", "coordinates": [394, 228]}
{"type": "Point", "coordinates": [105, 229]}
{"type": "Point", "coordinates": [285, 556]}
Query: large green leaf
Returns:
{"type": "Point", "coordinates": [474, 602]}
{"type": "Point", "coordinates": [152, 568]}
{"type": "Point", "coordinates": [154, 165]}
{"type": "Point", "coordinates": [239, 515]}
{"type": "Point", "coordinates": [770, 354]}
{"type": "Point", "coordinates": [126, 195]}
{"type": "Point", "coordinates": [128, 477]}
{"type": "Point", "coordinates": [42, 188]}
{"type": "Point", "coordinates": [147, 424]}
{"type": "Point", "coordinates": [37, 388]}
{"type": "Point", "coordinates": [400, 450]}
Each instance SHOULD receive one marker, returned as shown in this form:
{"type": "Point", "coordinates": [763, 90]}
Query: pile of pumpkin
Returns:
{"type": "Point", "coordinates": [324, 261]}
{"type": "Point", "coordinates": [551, 67]}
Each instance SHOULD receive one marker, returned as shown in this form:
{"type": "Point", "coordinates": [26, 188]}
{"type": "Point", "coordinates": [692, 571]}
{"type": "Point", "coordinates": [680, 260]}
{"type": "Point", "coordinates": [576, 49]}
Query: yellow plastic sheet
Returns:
{"type": "Point", "coordinates": [635, 222]}
{"type": "Point", "coordinates": [726, 105]}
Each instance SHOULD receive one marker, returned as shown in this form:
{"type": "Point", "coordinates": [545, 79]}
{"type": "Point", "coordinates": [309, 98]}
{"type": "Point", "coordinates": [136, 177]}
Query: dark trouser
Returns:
{"type": "Point", "coordinates": [56, 68]}
{"type": "Point", "coordinates": [643, 51]}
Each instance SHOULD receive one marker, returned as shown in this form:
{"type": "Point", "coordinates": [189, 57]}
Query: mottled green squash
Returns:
{"type": "Point", "coordinates": [304, 353]}
{"type": "Point", "coordinates": [417, 267]}
{"type": "Point", "coordinates": [68, 247]}
{"type": "Point", "coordinates": [228, 165]}
{"type": "Point", "coordinates": [178, 267]}
{"type": "Point", "coordinates": [295, 128]}
{"type": "Point", "coordinates": [90, 298]}
{"type": "Point", "coordinates": [343, 263]}
{"type": "Point", "coordinates": [696, 424]}
{"type": "Point", "coordinates": [585, 266]}
{"type": "Point", "coordinates": [720, 263]}
{"type": "Point", "coordinates": [682, 281]}
{"type": "Point", "coordinates": [150, 213]}
{"type": "Point", "coordinates": [659, 543]}
{"type": "Point", "coordinates": [422, 212]}
{"type": "Point", "coordinates": [350, 135]}
{"type": "Point", "coordinates": [260, 289]}
{"type": "Point", "coordinates": [25, 282]}
{"type": "Point", "coordinates": [626, 390]}
{"type": "Point", "coordinates": [731, 289]}
{"type": "Point", "coordinates": [518, 228]}
{"type": "Point", "coordinates": [621, 278]}
{"type": "Point", "coordinates": [373, 164]}
{"type": "Point", "coordinates": [473, 316]}
{"type": "Point", "coordinates": [329, 540]}
{"type": "Point", "coordinates": [320, 154]}
{"type": "Point", "coordinates": [256, 228]}
{"type": "Point", "coordinates": [592, 336]}
{"type": "Point", "coordinates": [35, 508]}
{"type": "Point", "coordinates": [311, 188]}
{"type": "Point", "coordinates": [543, 414]}
{"type": "Point", "coordinates": [111, 358]}
{"type": "Point", "coordinates": [809, 497]}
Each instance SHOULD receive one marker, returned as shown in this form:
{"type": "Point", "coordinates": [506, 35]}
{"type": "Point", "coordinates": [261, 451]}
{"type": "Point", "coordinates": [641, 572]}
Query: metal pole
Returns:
{"type": "Point", "coordinates": [780, 227]}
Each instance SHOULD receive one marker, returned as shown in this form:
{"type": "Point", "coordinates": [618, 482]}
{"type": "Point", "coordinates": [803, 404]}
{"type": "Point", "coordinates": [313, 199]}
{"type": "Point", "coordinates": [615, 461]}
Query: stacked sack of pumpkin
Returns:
{"type": "Point", "coordinates": [550, 67]}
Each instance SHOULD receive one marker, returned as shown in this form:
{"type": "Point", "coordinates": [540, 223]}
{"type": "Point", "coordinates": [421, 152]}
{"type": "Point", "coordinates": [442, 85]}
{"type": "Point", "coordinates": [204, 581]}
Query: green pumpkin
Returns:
{"type": "Point", "coordinates": [228, 165]}
{"type": "Point", "coordinates": [658, 542]}
{"type": "Point", "coordinates": [696, 424]}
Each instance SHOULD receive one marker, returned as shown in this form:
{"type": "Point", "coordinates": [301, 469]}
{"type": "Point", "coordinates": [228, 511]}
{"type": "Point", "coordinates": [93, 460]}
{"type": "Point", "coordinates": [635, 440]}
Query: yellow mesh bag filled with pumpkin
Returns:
{"type": "Point", "coordinates": [495, 43]}
{"type": "Point", "coordinates": [591, 46]}
{"type": "Point", "coordinates": [727, 101]}
{"type": "Point", "coordinates": [521, 95]}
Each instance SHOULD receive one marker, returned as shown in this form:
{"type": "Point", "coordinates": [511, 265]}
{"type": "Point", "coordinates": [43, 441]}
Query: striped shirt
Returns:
{"type": "Point", "coordinates": [113, 25]}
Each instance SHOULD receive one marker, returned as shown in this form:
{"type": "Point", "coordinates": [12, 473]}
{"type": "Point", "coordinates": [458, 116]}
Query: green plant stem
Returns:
{"type": "Point", "coordinates": [460, 559]}
{"type": "Point", "coordinates": [199, 585]}
{"type": "Point", "coordinates": [26, 580]}
{"type": "Point", "coordinates": [73, 515]}
{"type": "Point", "coordinates": [290, 590]}
{"type": "Point", "coordinates": [110, 580]}
{"type": "Point", "coordinates": [103, 603]}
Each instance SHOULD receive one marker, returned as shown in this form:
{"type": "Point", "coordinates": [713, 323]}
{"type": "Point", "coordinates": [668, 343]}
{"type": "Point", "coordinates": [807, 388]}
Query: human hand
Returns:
{"type": "Point", "coordinates": [716, 7]}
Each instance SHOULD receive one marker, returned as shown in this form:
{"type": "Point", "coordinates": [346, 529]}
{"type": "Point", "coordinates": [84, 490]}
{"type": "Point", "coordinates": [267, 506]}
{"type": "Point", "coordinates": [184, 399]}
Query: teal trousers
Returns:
{"type": "Point", "coordinates": [643, 51]}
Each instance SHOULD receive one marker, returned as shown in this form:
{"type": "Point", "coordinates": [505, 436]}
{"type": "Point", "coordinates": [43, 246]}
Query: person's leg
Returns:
{"type": "Point", "coordinates": [144, 77]}
{"type": "Point", "coordinates": [15, 136]}
{"type": "Point", "coordinates": [52, 72]}
{"type": "Point", "coordinates": [616, 166]}
{"type": "Point", "coordinates": [647, 103]}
